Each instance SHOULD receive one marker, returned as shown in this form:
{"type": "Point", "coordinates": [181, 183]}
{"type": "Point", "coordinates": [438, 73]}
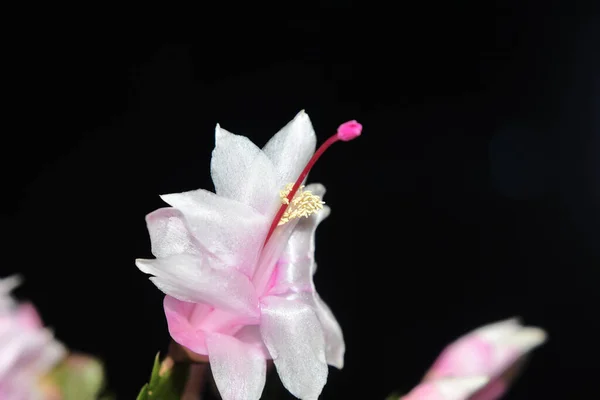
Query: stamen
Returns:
{"type": "Point", "coordinates": [303, 204]}
{"type": "Point", "coordinates": [347, 131]}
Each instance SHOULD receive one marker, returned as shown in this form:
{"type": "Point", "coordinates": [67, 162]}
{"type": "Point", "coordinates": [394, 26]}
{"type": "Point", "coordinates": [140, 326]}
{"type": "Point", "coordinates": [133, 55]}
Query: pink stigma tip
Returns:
{"type": "Point", "coordinates": [349, 130]}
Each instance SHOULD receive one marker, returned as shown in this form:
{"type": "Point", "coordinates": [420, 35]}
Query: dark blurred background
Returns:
{"type": "Point", "coordinates": [472, 195]}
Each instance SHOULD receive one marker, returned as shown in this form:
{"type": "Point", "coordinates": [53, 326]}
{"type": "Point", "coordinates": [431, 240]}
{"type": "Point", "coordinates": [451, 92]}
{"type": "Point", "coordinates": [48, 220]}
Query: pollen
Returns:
{"type": "Point", "coordinates": [304, 203]}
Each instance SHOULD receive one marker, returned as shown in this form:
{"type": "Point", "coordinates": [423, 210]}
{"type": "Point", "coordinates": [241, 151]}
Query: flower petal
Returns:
{"type": "Point", "coordinates": [189, 322]}
{"type": "Point", "coordinates": [28, 351]}
{"type": "Point", "coordinates": [230, 230]}
{"type": "Point", "coordinates": [296, 266]}
{"type": "Point", "coordinates": [265, 273]}
{"type": "Point", "coordinates": [180, 321]}
{"type": "Point", "coordinates": [469, 355]}
{"type": "Point", "coordinates": [28, 317]}
{"type": "Point", "coordinates": [492, 391]}
{"type": "Point", "coordinates": [335, 346]}
{"type": "Point", "coordinates": [458, 388]}
{"type": "Point", "coordinates": [239, 369]}
{"type": "Point", "coordinates": [292, 333]}
{"type": "Point", "coordinates": [250, 334]}
{"type": "Point", "coordinates": [192, 279]}
{"type": "Point", "coordinates": [241, 171]}
{"type": "Point", "coordinates": [169, 234]}
{"type": "Point", "coordinates": [7, 285]}
{"type": "Point", "coordinates": [488, 350]}
{"type": "Point", "coordinates": [291, 148]}
{"type": "Point", "coordinates": [496, 331]}
{"type": "Point", "coordinates": [526, 339]}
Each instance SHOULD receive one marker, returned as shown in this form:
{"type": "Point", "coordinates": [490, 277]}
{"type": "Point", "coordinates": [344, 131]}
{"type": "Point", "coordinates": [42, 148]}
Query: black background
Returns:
{"type": "Point", "coordinates": [472, 195]}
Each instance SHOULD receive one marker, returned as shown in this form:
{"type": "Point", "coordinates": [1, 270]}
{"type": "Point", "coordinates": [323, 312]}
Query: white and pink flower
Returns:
{"type": "Point", "coordinates": [475, 366]}
{"type": "Point", "coordinates": [237, 265]}
{"type": "Point", "coordinates": [28, 351]}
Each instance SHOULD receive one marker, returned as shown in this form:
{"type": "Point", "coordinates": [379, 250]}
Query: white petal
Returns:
{"type": "Point", "coordinates": [334, 338]}
{"type": "Point", "coordinates": [269, 256]}
{"type": "Point", "coordinates": [192, 279]}
{"type": "Point", "coordinates": [335, 346]}
{"type": "Point", "coordinates": [28, 351]}
{"type": "Point", "coordinates": [242, 172]}
{"type": "Point", "coordinates": [232, 231]}
{"type": "Point", "coordinates": [250, 334]}
{"type": "Point", "coordinates": [316, 188]}
{"type": "Point", "coordinates": [300, 249]}
{"type": "Point", "coordinates": [169, 234]}
{"type": "Point", "coordinates": [526, 339]}
{"type": "Point", "coordinates": [497, 331]}
{"type": "Point", "coordinates": [9, 283]}
{"type": "Point", "coordinates": [292, 333]}
{"type": "Point", "coordinates": [296, 264]}
{"type": "Point", "coordinates": [239, 369]}
{"type": "Point", "coordinates": [52, 352]}
{"type": "Point", "coordinates": [291, 148]}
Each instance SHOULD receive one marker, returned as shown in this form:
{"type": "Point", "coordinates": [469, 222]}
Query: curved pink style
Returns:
{"type": "Point", "coordinates": [239, 284]}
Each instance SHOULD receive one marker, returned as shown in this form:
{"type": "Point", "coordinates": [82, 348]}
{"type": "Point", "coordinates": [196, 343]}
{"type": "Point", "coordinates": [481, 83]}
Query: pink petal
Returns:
{"type": "Point", "coordinates": [488, 350]}
{"type": "Point", "coordinates": [468, 356]}
{"type": "Point", "coordinates": [29, 352]}
{"type": "Point", "coordinates": [181, 329]}
{"type": "Point", "coordinates": [242, 172]}
{"type": "Point", "coordinates": [493, 391]}
{"type": "Point", "coordinates": [239, 369]}
{"type": "Point", "coordinates": [29, 317]}
{"type": "Point", "coordinates": [293, 334]}
{"type": "Point", "coordinates": [188, 324]}
{"type": "Point", "coordinates": [460, 388]}
{"type": "Point", "coordinates": [192, 279]}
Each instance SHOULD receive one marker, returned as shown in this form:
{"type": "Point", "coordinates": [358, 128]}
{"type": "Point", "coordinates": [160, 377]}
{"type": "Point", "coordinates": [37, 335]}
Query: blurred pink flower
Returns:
{"type": "Point", "coordinates": [237, 266]}
{"type": "Point", "coordinates": [489, 351]}
{"type": "Point", "coordinates": [28, 351]}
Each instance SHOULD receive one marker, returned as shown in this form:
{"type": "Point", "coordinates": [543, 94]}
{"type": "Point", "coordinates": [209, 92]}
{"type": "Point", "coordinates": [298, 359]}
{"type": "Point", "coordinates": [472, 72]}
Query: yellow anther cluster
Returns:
{"type": "Point", "coordinates": [303, 204]}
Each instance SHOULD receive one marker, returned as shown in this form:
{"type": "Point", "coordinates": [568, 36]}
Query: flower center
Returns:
{"type": "Point", "coordinates": [346, 132]}
{"type": "Point", "coordinates": [304, 203]}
